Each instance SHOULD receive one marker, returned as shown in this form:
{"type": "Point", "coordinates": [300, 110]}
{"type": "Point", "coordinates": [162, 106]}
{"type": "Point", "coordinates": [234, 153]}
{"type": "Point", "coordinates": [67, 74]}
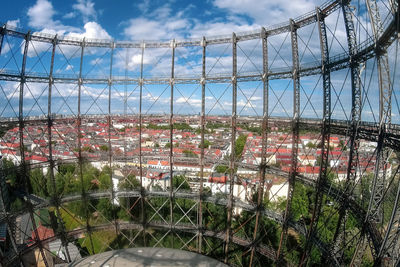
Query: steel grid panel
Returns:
{"type": "Point", "coordinates": [187, 227]}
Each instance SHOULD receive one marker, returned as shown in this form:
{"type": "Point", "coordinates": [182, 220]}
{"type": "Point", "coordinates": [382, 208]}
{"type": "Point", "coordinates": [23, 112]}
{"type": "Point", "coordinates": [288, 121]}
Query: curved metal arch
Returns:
{"type": "Point", "coordinates": [303, 20]}
{"type": "Point", "coordinates": [328, 189]}
{"type": "Point", "coordinates": [124, 225]}
{"type": "Point", "coordinates": [189, 228]}
{"type": "Point", "coordinates": [365, 51]}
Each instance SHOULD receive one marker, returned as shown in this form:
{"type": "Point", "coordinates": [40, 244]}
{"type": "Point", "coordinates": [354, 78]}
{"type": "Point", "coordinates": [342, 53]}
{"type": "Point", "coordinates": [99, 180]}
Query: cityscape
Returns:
{"type": "Point", "coordinates": [141, 154]}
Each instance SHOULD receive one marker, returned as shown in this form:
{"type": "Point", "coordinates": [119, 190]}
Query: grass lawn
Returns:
{"type": "Point", "coordinates": [100, 239]}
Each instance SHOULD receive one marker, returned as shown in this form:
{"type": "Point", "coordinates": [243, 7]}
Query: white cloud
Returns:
{"type": "Point", "coordinates": [265, 12]}
{"type": "Point", "coordinates": [93, 30]}
{"type": "Point", "coordinates": [255, 98]}
{"type": "Point", "coordinates": [6, 48]}
{"type": "Point", "coordinates": [144, 6]}
{"type": "Point", "coordinates": [155, 29]}
{"type": "Point", "coordinates": [191, 101]}
{"type": "Point", "coordinates": [159, 24]}
{"type": "Point", "coordinates": [162, 13]}
{"type": "Point", "coordinates": [69, 15]}
{"type": "Point", "coordinates": [13, 23]}
{"type": "Point", "coordinates": [245, 103]}
{"type": "Point", "coordinates": [86, 8]}
{"type": "Point", "coordinates": [41, 15]}
{"type": "Point", "coordinates": [31, 90]}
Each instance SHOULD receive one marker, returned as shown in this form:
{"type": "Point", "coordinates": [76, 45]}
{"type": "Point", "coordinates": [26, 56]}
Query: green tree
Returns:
{"type": "Point", "coordinates": [206, 144]}
{"type": "Point", "coordinates": [104, 178]}
{"type": "Point", "coordinates": [104, 148]}
{"type": "Point", "coordinates": [39, 182]}
{"type": "Point", "coordinates": [106, 208]}
{"type": "Point", "coordinates": [11, 172]}
{"type": "Point", "coordinates": [311, 145]}
{"type": "Point", "coordinates": [221, 168]}
{"type": "Point", "coordinates": [239, 145]}
{"type": "Point", "coordinates": [181, 182]}
{"type": "Point", "coordinates": [189, 153]}
{"type": "Point", "coordinates": [129, 182]}
{"type": "Point", "coordinates": [128, 210]}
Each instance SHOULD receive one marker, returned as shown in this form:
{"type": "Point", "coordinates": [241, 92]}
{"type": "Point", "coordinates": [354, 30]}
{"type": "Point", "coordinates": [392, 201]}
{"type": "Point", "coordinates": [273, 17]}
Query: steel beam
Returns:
{"type": "Point", "coordinates": [325, 136]}
{"type": "Point", "coordinates": [2, 34]}
{"type": "Point", "coordinates": [356, 104]}
{"type": "Point", "coordinates": [295, 138]}
{"type": "Point", "coordinates": [202, 125]}
{"type": "Point", "coordinates": [232, 162]}
{"type": "Point", "coordinates": [142, 193]}
{"type": "Point", "coordinates": [110, 151]}
{"type": "Point", "coordinates": [23, 168]}
{"type": "Point", "coordinates": [171, 139]}
{"type": "Point", "coordinates": [264, 138]}
{"type": "Point", "coordinates": [385, 91]}
{"type": "Point", "coordinates": [375, 207]}
{"type": "Point", "coordinates": [302, 21]}
{"type": "Point", "coordinates": [79, 137]}
{"type": "Point", "coordinates": [389, 248]}
{"type": "Point", "coordinates": [391, 241]}
{"type": "Point", "coordinates": [50, 121]}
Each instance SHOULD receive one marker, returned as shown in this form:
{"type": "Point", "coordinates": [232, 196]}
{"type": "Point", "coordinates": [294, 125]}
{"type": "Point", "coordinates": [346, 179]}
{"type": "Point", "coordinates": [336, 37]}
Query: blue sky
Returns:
{"type": "Point", "coordinates": [165, 20]}
{"type": "Point", "coordinates": [137, 20]}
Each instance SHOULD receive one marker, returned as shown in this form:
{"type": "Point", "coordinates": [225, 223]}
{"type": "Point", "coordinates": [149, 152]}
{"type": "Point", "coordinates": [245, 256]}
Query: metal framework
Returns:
{"type": "Point", "coordinates": [350, 203]}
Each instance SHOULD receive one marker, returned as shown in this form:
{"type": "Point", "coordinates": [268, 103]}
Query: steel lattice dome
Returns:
{"type": "Point", "coordinates": [272, 147]}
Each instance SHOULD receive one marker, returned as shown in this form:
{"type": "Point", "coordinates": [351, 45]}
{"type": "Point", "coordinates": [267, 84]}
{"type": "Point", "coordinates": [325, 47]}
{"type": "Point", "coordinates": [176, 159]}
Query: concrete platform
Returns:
{"type": "Point", "coordinates": [147, 257]}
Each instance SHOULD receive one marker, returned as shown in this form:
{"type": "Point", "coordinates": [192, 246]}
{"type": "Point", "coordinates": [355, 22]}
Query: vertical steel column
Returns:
{"type": "Point", "coordinates": [23, 168]}
{"type": "Point", "coordinates": [2, 33]}
{"type": "Point", "coordinates": [325, 134]}
{"type": "Point", "coordinates": [375, 211]}
{"type": "Point", "coordinates": [80, 158]}
{"type": "Point", "coordinates": [232, 164]}
{"type": "Point", "coordinates": [5, 190]}
{"type": "Point", "coordinates": [142, 191]}
{"type": "Point", "coordinates": [125, 99]}
{"type": "Point", "coordinates": [202, 123]}
{"type": "Point", "coordinates": [340, 234]}
{"type": "Point", "coordinates": [391, 241]}
{"type": "Point", "coordinates": [295, 138]}
{"type": "Point", "coordinates": [21, 112]}
{"type": "Point", "coordinates": [264, 138]}
{"type": "Point", "coordinates": [55, 197]}
{"type": "Point", "coordinates": [171, 136]}
{"type": "Point", "coordinates": [110, 157]}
